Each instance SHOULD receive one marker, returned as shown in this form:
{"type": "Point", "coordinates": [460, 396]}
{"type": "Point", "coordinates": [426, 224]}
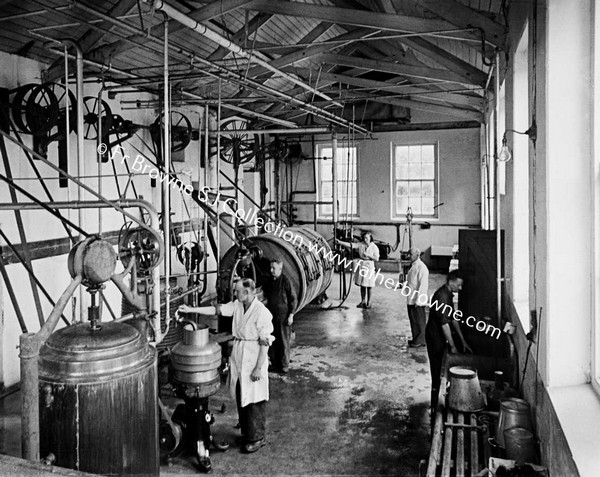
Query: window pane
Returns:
{"type": "Point", "coordinates": [326, 190]}
{"type": "Point", "coordinates": [415, 205]}
{"type": "Point", "coordinates": [415, 189]}
{"type": "Point", "coordinates": [326, 171]}
{"type": "Point", "coordinates": [401, 154]}
{"type": "Point", "coordinates": [402, 189]}
{"type": "Point", "coordinates": [326, 210]}
{"type": "Point", "coordinates": [414, 170]}
{"type": "Point", "coordinates": [326, 152]}
{"type": "Point", "coordinates": [401, 171]}
{"type": "Point", "coordinates": [401, 205]}
{"type": "Point", "coordinates": [427, 205]}
{"type": "Point", "coordinates": [428, 170]}
{"type": "Point", "coordinates": [428, 153]}
{"type": "Point", "coordinates": [427, 189]}
{"type": "Point", "coordinates": [414, 154]}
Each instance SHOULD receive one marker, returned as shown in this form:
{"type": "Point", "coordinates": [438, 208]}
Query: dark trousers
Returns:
{"type": "Point", "coordinates": [253, 417]}
{"type": "Point", "coordinates": [435, 354]}
{"type": "Point", "coordinates": [418, 321]}
{"type": "Point", "coordinates": [279, 351]}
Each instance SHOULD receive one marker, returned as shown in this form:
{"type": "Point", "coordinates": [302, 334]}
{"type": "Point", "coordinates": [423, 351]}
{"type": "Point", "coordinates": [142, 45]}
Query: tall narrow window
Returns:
{"type": "Point", "coordinates": [347, 185]}
{"type": "Point", "coordinates": [520, 168]}
{"type": "Point", "coordinates": [414, 180]}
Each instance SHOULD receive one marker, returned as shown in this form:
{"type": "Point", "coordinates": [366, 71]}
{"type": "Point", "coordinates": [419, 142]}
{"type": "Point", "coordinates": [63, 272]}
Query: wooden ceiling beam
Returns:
{"type": "Point", "coordinates": [436, 53]}
{"type": "Point", "coordinates": [462, 16]}
{"type": "Point", "coordinates": [389, 87]}
{"type": "Point", "coordinates": [254, 25]}
{"type": "Point", "coordinates": [203, 14]}
{"type": "Point", "coordinates": [395, 68]}
{"type": "Point", "coordinates": [446, 59]}
{"type": "Point", "coordinates": [350, 16]}
{"type": "Point", "coordinates": [304, 53]}
{"type": "Point", "coordinates": [421, 105]}
{"type": "Point", "coordinates": [89, 39]}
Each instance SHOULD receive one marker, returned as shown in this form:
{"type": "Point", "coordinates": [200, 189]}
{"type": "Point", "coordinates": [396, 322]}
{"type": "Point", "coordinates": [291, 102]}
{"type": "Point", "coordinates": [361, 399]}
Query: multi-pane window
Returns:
{"type": "Point", "coordinates": [346, 181]}
{"type": "Point", "coordinates": [414, 180]}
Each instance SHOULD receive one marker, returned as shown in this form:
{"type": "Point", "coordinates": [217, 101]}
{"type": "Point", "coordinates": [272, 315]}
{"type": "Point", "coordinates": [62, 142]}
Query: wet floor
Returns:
{"type": "Point", "coordinates": [355, 401]}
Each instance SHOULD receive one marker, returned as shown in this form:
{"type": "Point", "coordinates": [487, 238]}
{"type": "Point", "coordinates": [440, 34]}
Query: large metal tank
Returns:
{"type": "Point", "coordinates": [309, 271]}
{"type": "Point", "coordinates": [98, 400]}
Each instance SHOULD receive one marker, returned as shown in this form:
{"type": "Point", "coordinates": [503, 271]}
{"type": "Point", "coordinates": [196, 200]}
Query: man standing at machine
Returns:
{"type": "Point", "coordinates": [282, 303]}
{"type": "Point", "coordinates": [438, 332]}
{"type": "Point", "coordinates": [417, 281]}
{"type": "Point", "coordinates": [248, 377]}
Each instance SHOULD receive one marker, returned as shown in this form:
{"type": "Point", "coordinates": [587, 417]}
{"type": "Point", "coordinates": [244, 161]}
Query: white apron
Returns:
{"type": "Point", "coordinates": [247, 328]}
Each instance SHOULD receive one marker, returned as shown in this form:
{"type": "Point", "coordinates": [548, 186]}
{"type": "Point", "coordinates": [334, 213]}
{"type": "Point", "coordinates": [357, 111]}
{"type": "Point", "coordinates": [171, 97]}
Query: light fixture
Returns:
{"type": "Point", "coordinates": [504, 155]}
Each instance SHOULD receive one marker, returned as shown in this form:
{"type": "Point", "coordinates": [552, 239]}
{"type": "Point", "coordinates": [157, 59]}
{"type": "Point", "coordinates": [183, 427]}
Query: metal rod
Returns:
{"type": "Point", "coordinates": [252, 201]}
{"type": "Point", "coordinates": [166, 189]}
{"type": "Point", "coordinates": [13, 297]}
{"type": "Point", "coordinates": [222, 41]}
{"type": "Point", "coordinates": [109, 68]}
{"type": "Point", "coordinates": [229, 75]}
{"type": "Point", "coordinates": [307, 130]}
{"type": "Point", "coordinates": [19, 221]}
{"type": "Point", "coordinates": [29, 271]}
{"type": "Point", "coordinates": [497, 194]}
{"type": "Point", "coordinates": [334, 197]}
{"type": "Point", "coordinates": [218, 183]}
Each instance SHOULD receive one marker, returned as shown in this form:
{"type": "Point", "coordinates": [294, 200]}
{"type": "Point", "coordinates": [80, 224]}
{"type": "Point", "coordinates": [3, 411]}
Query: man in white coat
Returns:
{"type": "Point", "coordinates": [248, 377]}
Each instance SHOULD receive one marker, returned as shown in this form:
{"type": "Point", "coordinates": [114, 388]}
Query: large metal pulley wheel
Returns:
{"type": "Point", "coordinates": [65, 101]}
{"type": "Point", "coordinates": [238, 147]}
{"type": "Point", "coordinates": [35, 109]}
{"type": "Point", "coordinates": [90, 117]}
{"type": "Point", "coordinates": [181, 130]}
{"type": "Point", "coordinates": [141, 245]}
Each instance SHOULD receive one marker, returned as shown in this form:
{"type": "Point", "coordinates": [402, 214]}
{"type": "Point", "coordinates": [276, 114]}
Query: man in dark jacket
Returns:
{"type": "Point", "coordinates": [437, 331]}
{"type": "Point", "coordinates": [282, 303]}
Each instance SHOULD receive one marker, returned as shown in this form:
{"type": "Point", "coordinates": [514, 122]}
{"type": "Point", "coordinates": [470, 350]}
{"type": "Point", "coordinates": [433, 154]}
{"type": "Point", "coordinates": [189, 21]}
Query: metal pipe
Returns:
{"type": "Point", "coordinates": [308, 130]}
{"type": "Point", "coordinates": [107, 68]}
{"type": "Point", "coordinates": [218, 183]}
{"type": "Point", "coordinates": [29, 350]}
{"type": "Point", "coordinates": [205, 222]}
{"type": "Point", "coordinates": [80, 123]}
{"type": "Point", "coordinates": [497, 194]}
{"type": "Point", "coordinates": [334, 197]}
{"type": "Point", "coordinates": [231, 75]}
{"type": "Point", "coordinates": [167, 165]}
{"type": "Point", "coordinates": [222, 41]}
{"type": "Point", "coordinates": [30, 345]}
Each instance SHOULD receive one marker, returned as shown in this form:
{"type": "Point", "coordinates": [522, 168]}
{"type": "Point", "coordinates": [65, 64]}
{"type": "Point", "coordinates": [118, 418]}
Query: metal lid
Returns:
{"type": "Point", "coordinates": [79, 354]}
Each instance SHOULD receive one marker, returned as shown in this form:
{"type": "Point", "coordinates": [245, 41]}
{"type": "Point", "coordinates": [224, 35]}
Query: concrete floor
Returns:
{"type": "Point", "coordinates": [354, 403]}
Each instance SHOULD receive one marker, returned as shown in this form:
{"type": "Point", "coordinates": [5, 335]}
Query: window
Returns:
{"type": "Point", "coordinates": [414, 180]}
{"type": "Point", "coordinates": [520, 172]}
{"type": "Point", "coordinates": [346, 181]}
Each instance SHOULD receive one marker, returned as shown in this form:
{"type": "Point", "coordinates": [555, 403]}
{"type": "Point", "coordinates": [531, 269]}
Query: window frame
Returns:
{"type": "Point", "coordinates": [436, 183]}
{"type": "Point", "coordinates": [319, 164]}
